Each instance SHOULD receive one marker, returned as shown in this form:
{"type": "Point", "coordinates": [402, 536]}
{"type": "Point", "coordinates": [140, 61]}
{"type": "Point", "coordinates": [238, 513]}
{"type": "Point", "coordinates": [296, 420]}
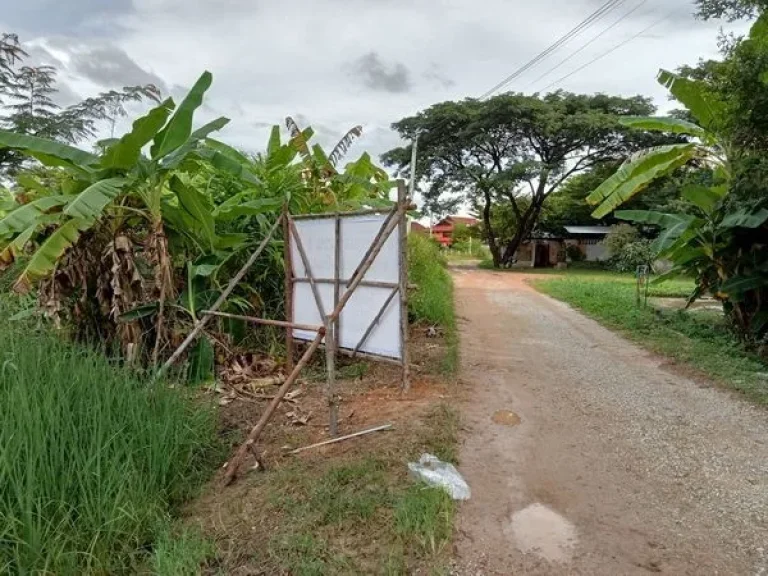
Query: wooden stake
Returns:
{"type": "Point", "coordinates": [336, 280]}
{"type": "Point", "coordinates": [308, 270]}
{"type": "Point", "coordinates": [224, 295]}
{"type": "Point", "coordinates": [242, 452]}
{"type": "Point", "coordinates": [266, 321]}
{"type": "Point", "coordinates": [402, 200]}
{"type": "Point", "coordinates": [330, 364]}
{"type": "Point", "coordinates": [288, 260]}
{"type": "Point", "coordinates": [345, 437]}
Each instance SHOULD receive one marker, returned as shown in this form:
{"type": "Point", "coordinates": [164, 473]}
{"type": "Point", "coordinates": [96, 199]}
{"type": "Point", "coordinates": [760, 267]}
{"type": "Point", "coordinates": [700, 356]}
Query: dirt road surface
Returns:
{"type": "Point", "coordinates": [587, 455]}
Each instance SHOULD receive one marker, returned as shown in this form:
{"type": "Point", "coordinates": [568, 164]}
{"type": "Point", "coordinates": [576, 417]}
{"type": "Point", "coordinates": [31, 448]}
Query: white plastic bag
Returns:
{"type": "Point", "coordinates": [435, 472]}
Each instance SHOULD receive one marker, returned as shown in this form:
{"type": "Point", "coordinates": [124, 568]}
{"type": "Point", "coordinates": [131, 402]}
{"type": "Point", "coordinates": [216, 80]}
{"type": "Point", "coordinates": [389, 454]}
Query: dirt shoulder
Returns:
{"type": "Point", "coordinates": [617, 465]}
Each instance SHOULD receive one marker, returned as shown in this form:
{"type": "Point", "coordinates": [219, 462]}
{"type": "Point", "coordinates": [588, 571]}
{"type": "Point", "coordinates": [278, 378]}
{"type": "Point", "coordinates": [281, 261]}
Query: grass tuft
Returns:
{"type": "Point", "coordinates": [91, 459]}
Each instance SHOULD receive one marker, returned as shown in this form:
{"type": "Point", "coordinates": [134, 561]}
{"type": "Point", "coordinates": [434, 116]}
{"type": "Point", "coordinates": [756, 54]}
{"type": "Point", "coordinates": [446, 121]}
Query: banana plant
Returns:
{"type": "Point", "coordinates": [706, 146]}
{"type": "Point", "coordinates": [113, 179]}
{"type": "Point", "coordinates": [724, 248]}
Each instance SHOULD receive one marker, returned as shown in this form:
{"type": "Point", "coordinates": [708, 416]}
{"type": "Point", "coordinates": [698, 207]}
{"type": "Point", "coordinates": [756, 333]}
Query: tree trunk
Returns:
{"type": "Point", "coordinates": [164, 284]}
{"type": "Point", "coordinates": [524, 229]}
{"type": "Point", "coordinates": [492, 244]}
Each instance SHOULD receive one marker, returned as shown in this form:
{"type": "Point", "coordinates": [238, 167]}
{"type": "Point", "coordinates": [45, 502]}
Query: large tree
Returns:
{"type": "Point", "coordinates": [730, 9]}
{"type": "Point", "coordinates": [509, 154]}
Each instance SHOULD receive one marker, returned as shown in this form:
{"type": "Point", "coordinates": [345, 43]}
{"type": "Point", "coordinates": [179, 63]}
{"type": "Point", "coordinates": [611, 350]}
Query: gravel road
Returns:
{"type": "Point", "coordinates": [588, 455]}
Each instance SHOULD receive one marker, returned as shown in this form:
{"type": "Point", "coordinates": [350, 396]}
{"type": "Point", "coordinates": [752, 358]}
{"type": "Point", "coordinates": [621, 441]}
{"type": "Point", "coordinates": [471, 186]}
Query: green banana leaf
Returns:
{"type": "Point", "coordinates": [28, 214]}
{"type": "Point", "coordinates": [638, 172]}
{"type": "Point", "coordinates": [179, 128]}
{"type": "Point", "coordinates": [705, 197]}
{"type": "Point", "coordinates": [44, 260]}
{"type": "Point", "coordinates": [745, 219]}
{"type": "Point", "coordinates": [198, 207]}
{"type": "Point", "coordinates": [90, 203]}
{"type": "Point", "coordinates": [274, 141]}
{"type": "Point", "coordinates": [652, 217]}
{"type": "Point", "coordinates": [43, 148]}
{"type": "Point", "coordinates": [695, 96]}
{"type": "Point", "coordinates": [663, 124]}
{"type": "Point", "coordinates": [126, 151]}
{"type": "Point", "coordinates": [174, 159]}
{"type": "Point", "coordinates": [229, 211]}
{"type": "Point", "coordinates": [736, 287]}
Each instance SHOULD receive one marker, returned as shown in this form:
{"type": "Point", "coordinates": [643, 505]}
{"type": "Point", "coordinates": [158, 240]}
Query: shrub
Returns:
{"type": "Point", "coordinates": [91, 459]}
{"type": "Point", "coordinates": [632, 255]}
{"type": "Point", "coordinates": [574, 253]}
{"type": "Point", "coordinates": [619, 236]}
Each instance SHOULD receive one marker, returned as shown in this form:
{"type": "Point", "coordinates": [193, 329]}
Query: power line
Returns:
{"type": "Point", "coordinates": [588, 21]}
{"type": "Point", "coordinates": [610, 51]}
{"type": "Point", "coordinates": [591, 41]}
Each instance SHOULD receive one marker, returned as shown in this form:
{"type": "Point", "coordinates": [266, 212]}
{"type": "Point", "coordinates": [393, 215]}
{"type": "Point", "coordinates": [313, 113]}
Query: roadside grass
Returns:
{"type": "Point", "coordinates": [431, 302]}
{"type": "Point", "coordinates": [92, 460]}
{"type": "Point", "coordinates": [699, 339]}
{"type": "Point", "coordinates": [358, 512]}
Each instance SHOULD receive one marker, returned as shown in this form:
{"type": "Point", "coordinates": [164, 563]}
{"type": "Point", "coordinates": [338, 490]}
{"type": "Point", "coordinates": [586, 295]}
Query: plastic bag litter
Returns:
{"type": "Point", "coordinates": [435, 472]}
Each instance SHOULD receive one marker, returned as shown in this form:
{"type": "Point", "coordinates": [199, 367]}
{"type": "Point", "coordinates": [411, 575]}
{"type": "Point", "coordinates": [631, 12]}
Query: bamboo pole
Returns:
{"type": "Point", "coordinates": [345, 437]}
{"type": "Point", "coordinates": [402, 200]}
{"type": "Point", "coordinates": [288, 265]}
{"type": "Point", "coordinates": [256, 431]}
{"type": "Point", "coordinates": [330, 364]}
{"type": "Point", "coordinates": [222, 298]}
{"type": "Point", "coordinates": [308, 270]}
{"type": "Point", "coordinates": [336, 279]}
{"type": "Point", "coordinates": [266, 321]}
{"type": "Point", "coordinates": [375, 320]}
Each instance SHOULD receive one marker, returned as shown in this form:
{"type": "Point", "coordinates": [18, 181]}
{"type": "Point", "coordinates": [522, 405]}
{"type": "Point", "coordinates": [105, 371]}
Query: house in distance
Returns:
{"type": "Point", "coordinates": [578, 243]}
{"type": "Point", "coordinates": [443, 230]}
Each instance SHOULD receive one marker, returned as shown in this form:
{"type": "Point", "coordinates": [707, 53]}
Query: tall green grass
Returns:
{"type": "Point", "coordinates": [432, 300]}
{"type": "Point", "coordinates": [91, 459]}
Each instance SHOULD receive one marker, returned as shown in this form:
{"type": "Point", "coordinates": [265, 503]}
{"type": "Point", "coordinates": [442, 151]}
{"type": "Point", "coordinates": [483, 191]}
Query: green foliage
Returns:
{"type": "Point", "coordinates": [181, 554]}
{"type": "Point", "coordinates": [432, 300]}
{"type": "Point", "coordinates": [574, 253]}
{"type": "Point", "coordinates": [92, 460]}
{"type": "Point", "coordinates": [696, 338]}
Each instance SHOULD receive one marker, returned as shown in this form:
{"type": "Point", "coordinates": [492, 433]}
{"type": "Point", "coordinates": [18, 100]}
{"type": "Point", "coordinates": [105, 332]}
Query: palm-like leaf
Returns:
{"type": "Point", "coordinates": [637, 173]}
{"type": "Point", "coordinates": [746, 219]}
{"type": "Point", "coordinates": [341, 148]}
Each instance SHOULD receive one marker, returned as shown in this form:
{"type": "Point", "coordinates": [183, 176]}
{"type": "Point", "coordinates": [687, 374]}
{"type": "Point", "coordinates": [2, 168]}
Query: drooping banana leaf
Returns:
{"type": "Point", "coordinates": [25, 216]}
{"type": "Point", "coordinates": [222, 160]}
{"type": "Point", "coordinates": [197, 207]}
{"type": "Point", "coordinates": [90, 203]}
{"type": "Point", "coordinates": [44, 260]}
{"type": "Point", "coordinates": [663, 124]}
{"type": "Point", "coordinates": [179, 127]}
{"type": "Point", "coordinates": [638, 172]}
{"type": "Point", "coordinates": [47, 148]}
{"type": "Point", "coordinates": [226, 212]}
{"type": "Point", "coordinates": [662, 219]}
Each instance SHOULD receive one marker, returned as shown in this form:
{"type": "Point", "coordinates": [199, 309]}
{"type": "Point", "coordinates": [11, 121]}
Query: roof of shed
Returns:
{"type": "Point", "coordinates": [596, 230]}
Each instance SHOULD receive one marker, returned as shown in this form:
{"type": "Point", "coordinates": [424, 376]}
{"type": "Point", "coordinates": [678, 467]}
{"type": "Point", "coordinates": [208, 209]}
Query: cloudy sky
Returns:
{"type": "Point", "coordinates": [337, 63]}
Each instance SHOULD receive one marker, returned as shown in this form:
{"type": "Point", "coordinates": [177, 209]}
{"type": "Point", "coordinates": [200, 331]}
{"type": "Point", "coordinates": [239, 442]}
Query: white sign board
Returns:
{"type": "Point", "coordinates": [357, 233]}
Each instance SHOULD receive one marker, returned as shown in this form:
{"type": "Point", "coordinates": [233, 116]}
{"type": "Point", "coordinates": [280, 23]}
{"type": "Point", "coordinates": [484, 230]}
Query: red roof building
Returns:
{"type": "Point", "coordinates": [443, 230]}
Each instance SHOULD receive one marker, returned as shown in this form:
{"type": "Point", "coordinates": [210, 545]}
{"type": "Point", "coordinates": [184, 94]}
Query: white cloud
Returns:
{"type": "Point", "coordinates": [274, 59]}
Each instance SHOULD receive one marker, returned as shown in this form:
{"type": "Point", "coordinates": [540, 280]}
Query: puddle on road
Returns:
{"type": "Point", "coordinates": [506, 417]}
{"type": "Point", "coordinates": [541, 531]}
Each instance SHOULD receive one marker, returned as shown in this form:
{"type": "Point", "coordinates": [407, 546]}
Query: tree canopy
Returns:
{"type": "Point", "coordinates": [510, 153]}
